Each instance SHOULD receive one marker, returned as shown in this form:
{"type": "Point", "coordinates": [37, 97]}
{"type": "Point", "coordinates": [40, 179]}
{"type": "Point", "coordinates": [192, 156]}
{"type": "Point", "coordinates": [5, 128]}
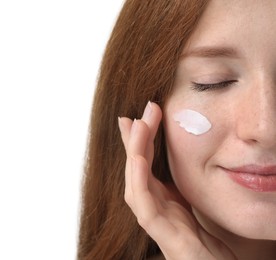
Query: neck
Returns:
{"type": "Point", "coordinates": [241, 247]}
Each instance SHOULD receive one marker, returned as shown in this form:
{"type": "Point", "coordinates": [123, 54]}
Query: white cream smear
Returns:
{"type": "Point", "coordinates": [193, 122]}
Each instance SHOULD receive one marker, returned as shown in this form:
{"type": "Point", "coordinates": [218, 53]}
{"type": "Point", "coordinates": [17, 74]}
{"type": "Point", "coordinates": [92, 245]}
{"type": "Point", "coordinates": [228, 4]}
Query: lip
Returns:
{"type": "Point", "coordinates": [254, 177]}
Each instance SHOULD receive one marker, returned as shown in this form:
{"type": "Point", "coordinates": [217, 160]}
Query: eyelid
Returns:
{"type": "Point", "coordinates": [212, 86]}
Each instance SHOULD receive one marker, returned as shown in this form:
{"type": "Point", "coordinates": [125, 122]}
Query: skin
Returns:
{"type": "Point", "coordinates": [227, 221]}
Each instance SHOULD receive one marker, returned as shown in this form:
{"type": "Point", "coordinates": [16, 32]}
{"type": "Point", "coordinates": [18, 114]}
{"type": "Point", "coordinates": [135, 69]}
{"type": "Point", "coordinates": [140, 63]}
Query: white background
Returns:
{"type": "Point", "coordinates": [50, 52]}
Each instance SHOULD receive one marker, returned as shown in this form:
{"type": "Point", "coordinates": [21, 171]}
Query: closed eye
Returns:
{"type": "Point", "coordinates": [212, 86]}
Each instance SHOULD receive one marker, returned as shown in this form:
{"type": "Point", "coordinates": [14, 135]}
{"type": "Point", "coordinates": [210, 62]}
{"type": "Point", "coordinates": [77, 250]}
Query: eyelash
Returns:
{"type": "Point", "coordinates": [212, 86]}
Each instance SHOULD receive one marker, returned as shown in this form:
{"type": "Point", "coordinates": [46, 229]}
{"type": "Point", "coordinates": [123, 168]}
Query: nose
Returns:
{"type": "Point", "coordinates": [256, 122]}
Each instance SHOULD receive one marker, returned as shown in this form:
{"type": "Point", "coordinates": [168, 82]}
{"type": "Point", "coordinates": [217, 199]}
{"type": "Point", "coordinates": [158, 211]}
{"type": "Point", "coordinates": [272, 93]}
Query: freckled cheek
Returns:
{"type": "Point", "coordinates": [188, 155]}
{"type": "Point", "coordinates": [185, 155]}
{"type": "Point", "coordinates": [188, 152]}
{"type": "Point", "coordinates": [183, 146]}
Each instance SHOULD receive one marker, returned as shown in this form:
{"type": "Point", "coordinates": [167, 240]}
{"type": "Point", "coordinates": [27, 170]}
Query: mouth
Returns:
{"type": "Point", "coordinates": [254, 177]}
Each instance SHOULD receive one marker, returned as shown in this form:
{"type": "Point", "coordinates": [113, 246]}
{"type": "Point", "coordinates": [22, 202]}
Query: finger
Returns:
{"type": "Point", "coordinates": [138, 140]}
{"type": "Point", "coordinates": [152, 117]}
{"type": "Point", "coordinates": [144, 205]}
{"type": "Point", "coordinates": [125, 127]}
{"type": "Point", "coordinates": [137, 144]}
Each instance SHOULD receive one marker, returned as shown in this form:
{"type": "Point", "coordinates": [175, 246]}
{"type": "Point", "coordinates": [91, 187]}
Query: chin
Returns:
{"type": "Point", "coordinates": [258, 225]}
{"type": "Point", "coordinates": [258, 233]}
{"type": "Point", "coordinates": [259, 228]}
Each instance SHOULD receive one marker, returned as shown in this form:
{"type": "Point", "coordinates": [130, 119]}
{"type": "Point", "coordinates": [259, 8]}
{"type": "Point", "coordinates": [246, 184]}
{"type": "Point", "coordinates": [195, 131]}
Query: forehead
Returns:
{"type": "Point", "coordinates": [240, 23]}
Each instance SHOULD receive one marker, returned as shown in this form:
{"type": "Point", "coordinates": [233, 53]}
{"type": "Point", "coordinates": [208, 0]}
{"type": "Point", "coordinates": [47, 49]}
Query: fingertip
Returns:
{"type": "Point", "coordinates": [152, 112]}
{"type": "Point", "coordinates": [156, 109]}
{"type": "Point", "coordinates": [147, 113]}
{"type": "Point", "coordinates": [125, 125]}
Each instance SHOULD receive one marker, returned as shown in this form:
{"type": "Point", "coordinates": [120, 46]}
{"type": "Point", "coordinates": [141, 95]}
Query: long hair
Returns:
{"type": "Point", "coordinates": [139, 65]}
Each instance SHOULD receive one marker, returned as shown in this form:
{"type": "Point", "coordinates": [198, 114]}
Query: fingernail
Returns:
{"type": "Point", "coordinates": [147, 112]}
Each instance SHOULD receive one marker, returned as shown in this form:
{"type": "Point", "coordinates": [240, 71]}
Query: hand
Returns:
{"type": "Point", "coordinates": [159, 209]}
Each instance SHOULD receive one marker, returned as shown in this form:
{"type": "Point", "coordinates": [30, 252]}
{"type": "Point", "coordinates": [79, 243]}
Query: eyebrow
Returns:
{"type": "Point", "coordinates": [212, 52]}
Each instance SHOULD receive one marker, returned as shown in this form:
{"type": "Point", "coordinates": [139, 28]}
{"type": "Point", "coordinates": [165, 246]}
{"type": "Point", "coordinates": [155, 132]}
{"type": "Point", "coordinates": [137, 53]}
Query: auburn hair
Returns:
{"type": "Point", "coordinates": [139, 65]}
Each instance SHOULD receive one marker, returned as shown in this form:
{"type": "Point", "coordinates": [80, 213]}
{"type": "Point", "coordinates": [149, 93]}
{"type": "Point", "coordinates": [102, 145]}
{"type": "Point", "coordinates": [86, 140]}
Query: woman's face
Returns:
{"type": "Point", "coordinates": [228, 173]}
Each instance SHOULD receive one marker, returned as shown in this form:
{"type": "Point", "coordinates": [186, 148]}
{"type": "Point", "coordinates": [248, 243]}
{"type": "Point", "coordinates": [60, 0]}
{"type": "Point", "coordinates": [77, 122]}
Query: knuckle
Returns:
{"type": "Point", "coordinates": [145, 222]}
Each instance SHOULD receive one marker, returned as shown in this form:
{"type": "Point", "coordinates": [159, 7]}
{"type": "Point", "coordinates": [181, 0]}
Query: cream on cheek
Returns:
{"type": "Point", "coordinates": [192, 121]}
